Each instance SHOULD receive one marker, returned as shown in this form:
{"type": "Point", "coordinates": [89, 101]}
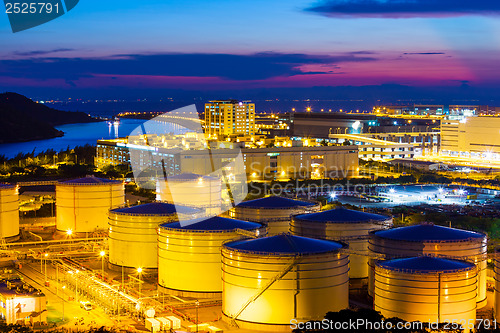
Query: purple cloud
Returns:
{"type": "Point", "coordinates": [258, 66]}
{"type": "Point", "coordinates": [404, 8]}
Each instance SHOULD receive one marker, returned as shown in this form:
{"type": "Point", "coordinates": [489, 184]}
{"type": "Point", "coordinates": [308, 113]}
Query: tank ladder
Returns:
{"type": "Point", "coordinates": [252, 299]}
{"type": "Point", "coordinates": [247, 233]}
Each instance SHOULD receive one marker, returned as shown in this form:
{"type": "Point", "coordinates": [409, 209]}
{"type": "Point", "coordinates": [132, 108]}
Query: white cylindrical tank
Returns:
{"type": "Point", "coordinates": [271, 280]}
{"type": "Point", "coordinates": [340, 224]}
{"type": "Point", "coordinates": [426, 289]}
{"type": "Point", "coordinates": [9, 211]}
{"type": "Point", "coordinates": [430, 239]}
{"type": "Point", "coordinates": [496, 274]}
{"type": "Point", "coordinates": [273, 211]}
{"type": "Point", "coordinates": [189, 253]}
{"type": "Point", "coordinates": [192, 190]}
{"type": "Point", "coordinates": [82, 205]}
{"type": "Point", "coordinates": [133, 238]}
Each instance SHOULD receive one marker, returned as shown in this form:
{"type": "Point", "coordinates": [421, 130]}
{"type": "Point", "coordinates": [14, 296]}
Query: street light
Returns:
{"type": "Point", "coordinates": [45, 268]}
{"type": "Point", "coordinates": [139, 270]}
{"type": "Point", "coordinates": [69, 232]}
{"type": "Point", "coordinates": [102, 254]}
{"type": "Point", "coordinates": [64, 293]}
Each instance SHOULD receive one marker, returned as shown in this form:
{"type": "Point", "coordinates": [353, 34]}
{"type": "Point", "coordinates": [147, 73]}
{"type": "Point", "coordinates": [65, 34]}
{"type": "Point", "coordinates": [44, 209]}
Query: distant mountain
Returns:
{"type": "Point", "coordinates": [21, 119]}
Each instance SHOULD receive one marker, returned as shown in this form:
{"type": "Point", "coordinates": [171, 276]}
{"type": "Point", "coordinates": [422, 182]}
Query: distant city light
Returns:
{"type": "Point", "coordinates": [333, 195]}
{"type": "Point", "coordinates": [392, 190]}
{"type": "Point", "coordinates": [102, 253]}
{"type": "Point", "coordinates": [69, 232]}
{"type": "Point", "coordinates": [139, 270]}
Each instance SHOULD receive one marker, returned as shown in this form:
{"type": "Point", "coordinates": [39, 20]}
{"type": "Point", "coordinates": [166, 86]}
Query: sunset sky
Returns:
{"type": "Point", "coordinates": [217, 45]}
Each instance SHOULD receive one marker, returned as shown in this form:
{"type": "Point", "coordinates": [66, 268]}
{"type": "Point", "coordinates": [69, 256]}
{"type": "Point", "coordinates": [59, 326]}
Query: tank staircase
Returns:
{"type": "Point", "coordinates": [247, 233]}
{"type": "Point", "coordinates": [252, 299]}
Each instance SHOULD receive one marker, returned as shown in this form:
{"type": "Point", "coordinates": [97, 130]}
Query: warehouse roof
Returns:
{"type": "Point", "coordinates": [340, 215]}
{"type": "Point", "coordinates": [426, 264]}
{"type": "Point", "coordinates": [285, 244]}
{"type": "Point", "coordinates": [155, 208]}
{"type": "Point", "coordinates": [428, 232]}
{"type": "Point", "coordinates": [90, 180]}
{"type": "Point", "coordinates": [275, 202]}
{"type": "Point", "coordinates": [215, 224]}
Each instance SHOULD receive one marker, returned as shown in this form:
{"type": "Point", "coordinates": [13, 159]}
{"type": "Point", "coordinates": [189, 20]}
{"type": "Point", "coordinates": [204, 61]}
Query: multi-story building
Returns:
{"type": "Point", "coordinates": [475, 137]}
{"type": "Point", "coordinates": [229, 117]}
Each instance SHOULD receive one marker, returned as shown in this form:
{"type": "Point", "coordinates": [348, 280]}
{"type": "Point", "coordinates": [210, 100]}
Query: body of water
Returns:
{"type": "Point", "coordinates": [74, 135]}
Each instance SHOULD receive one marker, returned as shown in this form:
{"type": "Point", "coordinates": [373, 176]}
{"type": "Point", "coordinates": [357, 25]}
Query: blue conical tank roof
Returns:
{"type": "Point", "coordinates": [285, 244]}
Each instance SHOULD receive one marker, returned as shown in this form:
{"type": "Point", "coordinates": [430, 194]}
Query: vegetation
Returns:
{"type": "Point", "coordinates": [368, 320]}
{"type": "Point", "coordinates": [49, 164]}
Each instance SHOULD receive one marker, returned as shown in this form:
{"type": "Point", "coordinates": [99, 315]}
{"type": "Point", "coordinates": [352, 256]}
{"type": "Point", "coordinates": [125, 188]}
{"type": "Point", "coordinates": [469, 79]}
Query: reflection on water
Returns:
{"type": "Point", "coordinates": [74, 135]}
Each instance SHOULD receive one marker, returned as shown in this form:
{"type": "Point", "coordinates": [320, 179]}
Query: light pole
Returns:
{"type": "Point", "coordinates": [102, 254]}
{"type": "Point", "coordinates": [139, 270]}
{"type": "Point", "coordinates": [197, 304]}
{"type": "Point", "coordinates": [63, 288]}
{"type": "Point", "coordinates": [76, 285]}
{"type": "Point", "coordinates": [45, 268]}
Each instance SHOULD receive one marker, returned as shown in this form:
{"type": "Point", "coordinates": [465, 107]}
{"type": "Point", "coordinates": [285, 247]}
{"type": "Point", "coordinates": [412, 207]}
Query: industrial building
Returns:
{"type": "Point", "coordinates": [432, 240]}
{"type": "Point", "coordinates": [189, 253]}
{"type": "Point", "coordinates": [260, 163]}
{"type": "Point", "coordinates": [9, 212]}
{"type": "Point", "coordinates": [426, 289]}
{"type": "Point", "coordinates": [82, 204]}
{"type": "Point", "coordinates": [272, 280]}
{"type": "Point", "coordinates": [227, 117]}
{"type": "Point", "coordinates": [273, 211]}
{"type": "Point", "coordinates": [460, 111]}
{"type": "Point", "coordinates": [410, 109]}
{"type": "Point", "coordinates": [20, 303]}
{"type": "Point", "coordinates": [375, 149]}
{"type": "Point", "coordinates": [472, 137]}
{"type": "Point", "coordinates": [321, 125]}
{"type": "Point", "coordinates": [133, 239]}
{"type": "Point", "coordinates": [349, 226]}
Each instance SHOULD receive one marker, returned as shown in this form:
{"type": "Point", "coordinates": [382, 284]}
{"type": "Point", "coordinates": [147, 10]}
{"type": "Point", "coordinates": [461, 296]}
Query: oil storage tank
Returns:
{"type": "Point", "coordinates": [272, 280]}
{"type": "Point", "coordinates": [496, 274]}
{"type": "Point", "coordinates": [189, 258]}
{"type": "Point", "coordinates": [192, 189]}
{"type": "Point", "coordinates": [82, 204]}
{"type": "Point", "coordinates": [434, 240]}
{"type": "Point", "coordinates": [133, 239]}
{"type": "Point", "coordinates": [426, 289]}
{"type": "Point", "coordinates": [9, 212]}
{"type": "Point", "coordinates": [340, 224]}
{"type": "Point", "coordinates": [273, 211]}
